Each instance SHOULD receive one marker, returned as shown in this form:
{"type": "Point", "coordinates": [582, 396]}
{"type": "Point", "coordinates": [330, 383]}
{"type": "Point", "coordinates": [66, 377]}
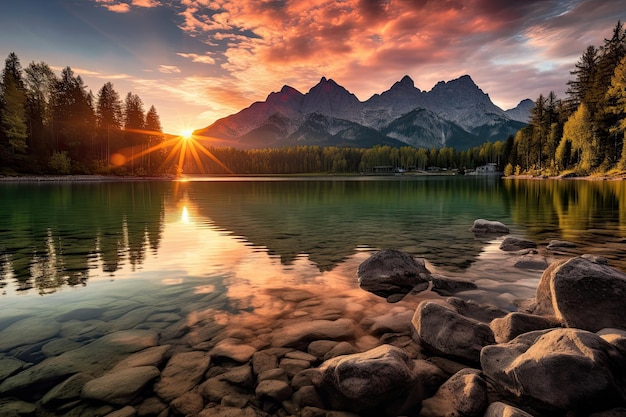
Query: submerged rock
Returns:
{"type": "Point", "coordinates": [393, 274]}
{"type": "Point", "coordinates": [307, 331]}
{"type": "Point", "coordinates": [557, 371]}
{"type": "Point", "coordinates": [513, 244]}
{"type": "Point", "coordinates": [119, 387]}
{"type": "Point", "coordinates": [583, 294]}
{"type": "Point", "coordinates": [182, 372]}
{"type": "Point", "coordinates": [489, 227]}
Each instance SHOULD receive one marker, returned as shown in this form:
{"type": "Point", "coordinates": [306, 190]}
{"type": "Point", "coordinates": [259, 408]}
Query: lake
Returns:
{"type": "Point", "coordinates": [80, 260]}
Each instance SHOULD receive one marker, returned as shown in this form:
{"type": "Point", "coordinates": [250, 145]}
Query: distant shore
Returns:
{"type": "Point", "coordinates": [101, 178]}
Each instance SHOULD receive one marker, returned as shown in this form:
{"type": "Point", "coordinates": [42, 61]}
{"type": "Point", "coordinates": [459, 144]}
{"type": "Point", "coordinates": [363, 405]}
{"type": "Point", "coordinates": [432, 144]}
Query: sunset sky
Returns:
{"type": "Point", "coordinates": [200, 60]}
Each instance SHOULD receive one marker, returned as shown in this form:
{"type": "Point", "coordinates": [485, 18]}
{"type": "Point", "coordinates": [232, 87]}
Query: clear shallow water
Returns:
{"type": "Point", "coordinates": [243, 257]}
{"type": "Point", "coordinates": [56, 237]}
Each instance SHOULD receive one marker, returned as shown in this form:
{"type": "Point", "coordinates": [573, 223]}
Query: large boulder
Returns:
{"type": "Point", "coordinates": [488, 227]}
{"type": "Point", "coordinates": [556, 371]}
{"type": "Point", "coordinates": [392, 274]}
{"type": "Point", "coordinates": [442, 329]}
{"type": "Point", "coordinates": [368, 382]}
{"type": "Point", "coordinates": [583, 294]}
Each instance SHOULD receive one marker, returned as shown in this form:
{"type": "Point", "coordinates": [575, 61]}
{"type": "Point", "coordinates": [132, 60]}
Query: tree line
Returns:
{"type": "Point", "coordinates": [53, 124]}
{"type": "Point", "coordinates": [583, 133]}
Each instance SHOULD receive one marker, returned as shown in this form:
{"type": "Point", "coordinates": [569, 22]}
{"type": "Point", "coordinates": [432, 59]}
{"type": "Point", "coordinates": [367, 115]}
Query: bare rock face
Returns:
{"type": "Point", "coordinates": [368, 380]}
{"type": "Point", "coordinates": [442, 329]}
{"type": "Point", "coordinates": [557, 371]}
{"type": "Point", "coordinates": [393, 274]}
{"type": "Point", "coordinates": [488, 227]}
{"type": "Point", "coordinates": [583, 295]}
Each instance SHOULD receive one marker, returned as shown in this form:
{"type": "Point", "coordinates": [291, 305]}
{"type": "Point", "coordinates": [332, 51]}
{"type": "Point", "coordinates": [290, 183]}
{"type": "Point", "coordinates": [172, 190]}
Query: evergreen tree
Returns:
{"type": "Point", "coordinates": [155, 138]}
{"type": "Point", "coordinates": [40, 81]}
{"type": "Point", "coordinates": [134, 124]}
{"type": "Point", "coordinates": [13, 110]}
{"type": "Point", "coordinates": [109, 121]}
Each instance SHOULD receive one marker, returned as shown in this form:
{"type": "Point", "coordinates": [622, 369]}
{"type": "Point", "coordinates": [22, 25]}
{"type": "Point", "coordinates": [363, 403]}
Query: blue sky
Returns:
{"type": "Point", "coordinates": [200, 60]}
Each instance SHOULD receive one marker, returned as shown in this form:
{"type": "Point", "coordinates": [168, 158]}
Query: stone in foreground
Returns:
{"type": "Point", "coordinates": [557, 371]}
{"type": "Point", "coordinates": [583, 295]}
{"type": "Point", "coordinates": [370, 380]}
{"type": "Point", "coordinates": [392, 274]}
{"type": "Point", "coordinates": [442, 329]}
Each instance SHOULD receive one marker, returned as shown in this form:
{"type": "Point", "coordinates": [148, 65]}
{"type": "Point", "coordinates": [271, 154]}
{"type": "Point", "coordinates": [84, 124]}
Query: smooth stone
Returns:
{"type": "Point", "coordinates": [16, 408]}
{"type": "Point", "coordinates": [277, 374]}
{"type": "Point", "coordinates": [188, 404]}
{"type": "Point", "coordinates": [464, 394]}
{"type": "Point", "coordinates": [448, 286]}
{"type": "Point", "coordinates": [151, 406]}
{"type": "Point", "coordinates": [293, 366]}
{"type": "Point", "coordinates": [319, 348]}
{"type": "Point", "coordinates": [10, 366]}
{"type": "Point", "coordinates": [392, 273]}
{"type": "Point", "coordinates": [299, 332]}
{"type": "Point", "coordinates": [240, 375]}
{"type": "Point", "coordinates": [119, 387]}
{"type": "Point", "coordinates": [28, 332]}
{"type": "Point", "coordinates": [277, 390]}
{"type": "Point", "coordinates": [513, 244]}
{"type": "Point", "coordinates": [513, 324]}
{"type": "Point", "coordinates": [441, 329]}
{"type": "Point", "coordinates": [93, 358]}
{"type": "Point", "coordinates": [560, 244]}
{"type": "Point", "coordinates": [583, 295]}
{"type": "Point", "coordinates": [297, 354]}
{"type": "Point", "coordinates": [232, 349]}
{"type": "Point", "coordinates": [491, 227]}
{"type": "Point", "coordinates": [263, 361]}
{"type": "Point", "coordinates": [366, 381]}
{"type": "Point", "coordinates": [392, 323]}
{"type": "Point", "coordinates": [153, 356]}
{"type": "Point", "coordinates": [342, 348]}
{"type": "Point", "coordinates": [182, 372]}
{"type": "Point", "coordinates": [58, 346]}
{"type": "Point", "coordinates": [67, 391]}
{"type": "Point", "coordinates": [498, 409]}
{"type": "Point", "coordinates": [543, 370]}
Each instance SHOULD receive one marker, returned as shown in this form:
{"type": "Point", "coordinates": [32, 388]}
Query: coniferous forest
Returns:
{"type": "Point", "coordinates": [52, 124]}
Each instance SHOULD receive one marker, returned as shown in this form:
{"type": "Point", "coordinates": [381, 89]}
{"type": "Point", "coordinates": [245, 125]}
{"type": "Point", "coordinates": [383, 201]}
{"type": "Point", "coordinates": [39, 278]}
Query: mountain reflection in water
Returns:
{"type": "Point", "coordinates": [58, 234]}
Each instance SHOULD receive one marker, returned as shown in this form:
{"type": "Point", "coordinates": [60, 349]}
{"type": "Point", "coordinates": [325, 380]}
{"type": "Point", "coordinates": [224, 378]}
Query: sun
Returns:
{"type": "Point", "coordinates": [186, 133]}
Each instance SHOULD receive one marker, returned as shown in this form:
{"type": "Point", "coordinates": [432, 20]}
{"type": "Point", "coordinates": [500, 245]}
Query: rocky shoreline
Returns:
{"type": "Point", "coordinates": [562, 353]}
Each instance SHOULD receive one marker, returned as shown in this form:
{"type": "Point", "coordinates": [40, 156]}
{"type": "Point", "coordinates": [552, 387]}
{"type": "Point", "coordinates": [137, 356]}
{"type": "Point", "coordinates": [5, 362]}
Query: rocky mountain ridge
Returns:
{"type": "Point", "coordinates": [455, 113]}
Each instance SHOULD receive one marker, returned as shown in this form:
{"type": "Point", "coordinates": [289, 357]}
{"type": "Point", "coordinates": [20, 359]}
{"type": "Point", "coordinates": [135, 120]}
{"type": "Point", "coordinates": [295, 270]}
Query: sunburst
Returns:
{"type": "Point", "coordinates": [183, 147]}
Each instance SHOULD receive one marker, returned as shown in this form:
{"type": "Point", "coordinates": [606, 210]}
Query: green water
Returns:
{"type": "Point", "coordinates": [60, 236]}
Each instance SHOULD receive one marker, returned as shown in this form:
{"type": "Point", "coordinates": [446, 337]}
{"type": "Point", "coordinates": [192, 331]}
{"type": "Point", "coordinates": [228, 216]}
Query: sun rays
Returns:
{"type": "Point", "coordinates": [183, 150]}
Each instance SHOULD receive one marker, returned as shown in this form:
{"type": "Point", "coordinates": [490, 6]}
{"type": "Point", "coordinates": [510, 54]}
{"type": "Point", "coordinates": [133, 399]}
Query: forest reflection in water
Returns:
{"type": "Point", "coordinates": [59, 234]}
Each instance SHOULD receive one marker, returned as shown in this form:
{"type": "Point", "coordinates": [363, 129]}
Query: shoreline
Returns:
{"type": "Point", "coordinates": [113, 178]}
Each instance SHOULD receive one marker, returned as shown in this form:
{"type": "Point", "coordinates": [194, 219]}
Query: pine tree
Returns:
{"type": "Point", "coordinates": [13, 111]}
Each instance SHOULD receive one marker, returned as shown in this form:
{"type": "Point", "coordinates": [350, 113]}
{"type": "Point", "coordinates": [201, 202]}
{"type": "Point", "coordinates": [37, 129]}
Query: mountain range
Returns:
{"type": "Point", "coordinates": [456, 113]}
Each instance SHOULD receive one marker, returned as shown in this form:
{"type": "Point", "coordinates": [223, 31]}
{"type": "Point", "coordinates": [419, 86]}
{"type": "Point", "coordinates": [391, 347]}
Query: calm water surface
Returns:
{"type": "Point", "coordinates": [242, 251]}
{"type": "Point", "coordinates": [66, 237]}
